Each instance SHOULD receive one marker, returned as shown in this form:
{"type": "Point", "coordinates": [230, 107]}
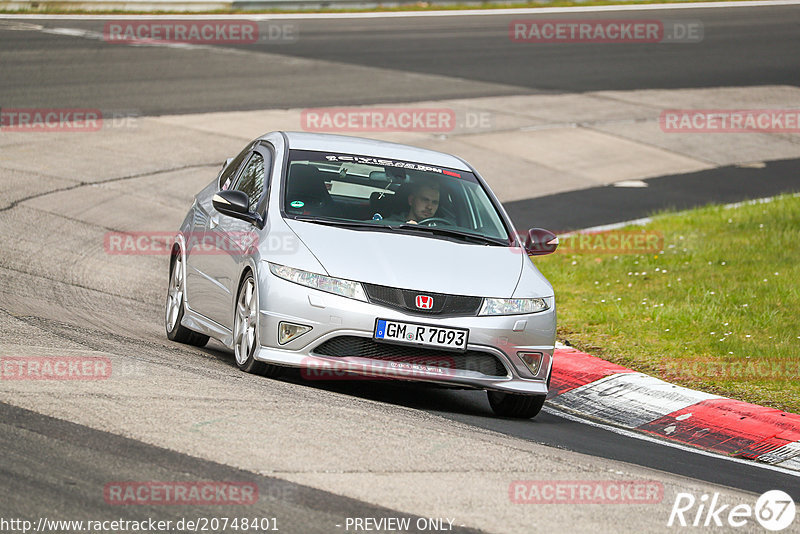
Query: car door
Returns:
{"type": "Point", "coordinates": [202, 290]}
{"type": "Point", "coordinates": [233, 237]}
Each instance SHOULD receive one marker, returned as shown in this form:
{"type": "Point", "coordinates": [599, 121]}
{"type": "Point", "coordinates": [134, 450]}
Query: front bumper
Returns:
{"type": "Point", "coordinates": [331, 316]}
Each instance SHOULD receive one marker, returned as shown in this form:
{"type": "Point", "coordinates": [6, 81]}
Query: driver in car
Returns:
{"type": "Point", "coordinates": [423, 202]}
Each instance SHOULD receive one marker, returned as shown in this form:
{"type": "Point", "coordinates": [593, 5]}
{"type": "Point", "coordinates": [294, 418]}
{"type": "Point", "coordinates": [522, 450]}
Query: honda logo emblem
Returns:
{"type": "Point", "coordinates": [424, 302]}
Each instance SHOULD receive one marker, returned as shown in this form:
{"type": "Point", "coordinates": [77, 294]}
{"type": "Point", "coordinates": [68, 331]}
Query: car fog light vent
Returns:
{"type": "Point", "coordinates": [532, 359]}
{"type": "Point", "coordinates": [289, 331]}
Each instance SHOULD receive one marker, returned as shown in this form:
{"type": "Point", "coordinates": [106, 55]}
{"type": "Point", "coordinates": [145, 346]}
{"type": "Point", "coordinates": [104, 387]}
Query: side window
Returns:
{"type": "Point", "coordinates": [228, 174]}
{"type": "Point", "coordinates": [481, 213]}
{"type": "Point", "coordinates": [251, 180]}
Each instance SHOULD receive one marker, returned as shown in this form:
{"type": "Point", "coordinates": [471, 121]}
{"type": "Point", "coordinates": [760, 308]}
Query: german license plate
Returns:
{"type": "Point", "coordinates": [440, 337]}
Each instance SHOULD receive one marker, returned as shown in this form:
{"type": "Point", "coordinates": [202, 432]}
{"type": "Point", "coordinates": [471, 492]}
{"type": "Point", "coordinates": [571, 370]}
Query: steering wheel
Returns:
{"type": "Point", "coordinates": [431, 221]}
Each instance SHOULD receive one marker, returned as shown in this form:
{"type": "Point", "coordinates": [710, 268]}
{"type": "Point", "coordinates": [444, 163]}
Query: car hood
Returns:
{"type": "Point", "coordinates": [416, 262]}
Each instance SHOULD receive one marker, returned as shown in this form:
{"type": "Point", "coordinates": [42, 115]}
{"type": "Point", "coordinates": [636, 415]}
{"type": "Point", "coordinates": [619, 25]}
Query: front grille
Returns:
{"type": "Point", "coordinates": [362, 347]}
{"type": "Point", "coordinates": [405, 299]}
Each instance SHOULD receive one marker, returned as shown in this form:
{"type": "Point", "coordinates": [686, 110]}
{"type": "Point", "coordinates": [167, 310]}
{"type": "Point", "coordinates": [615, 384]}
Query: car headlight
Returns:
{"type": "Point", "coordinates": [512, 306]}
{"type": "Point", "coordinates": [337, 286]}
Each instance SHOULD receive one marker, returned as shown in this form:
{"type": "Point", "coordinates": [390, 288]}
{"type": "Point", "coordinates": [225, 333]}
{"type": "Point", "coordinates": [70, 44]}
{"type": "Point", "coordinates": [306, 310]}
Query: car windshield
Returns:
{"type": "Point", "coordinates": [365, 191]}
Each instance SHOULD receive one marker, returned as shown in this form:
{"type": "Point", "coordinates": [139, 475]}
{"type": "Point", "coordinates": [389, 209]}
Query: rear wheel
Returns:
{"type": "Point", "coordinates": [245, 330]}
{"type": "Point", "coordinates": [515, 405]}
{"type": "Point", "coordinates": [174, 308]}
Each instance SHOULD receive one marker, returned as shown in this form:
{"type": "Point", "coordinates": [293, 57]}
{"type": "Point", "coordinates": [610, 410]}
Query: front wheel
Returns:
{"type": "Point", "coordinates": [173, 312]}
{"type": "Point", "coordinates": [245, 330]}
{"type": "Point", "coordinates": [515, 405]}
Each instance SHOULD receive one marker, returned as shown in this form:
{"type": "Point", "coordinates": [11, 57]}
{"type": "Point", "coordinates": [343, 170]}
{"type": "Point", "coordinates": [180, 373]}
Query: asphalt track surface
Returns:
{"type": "Point", "coordinates": [549, 429]}
{"type": "Point", "coordinates": [742, 47]}
{"type": "Point", "coordinates": [57, 466]}
{"type": "Point", "coordinates": [597, 206]}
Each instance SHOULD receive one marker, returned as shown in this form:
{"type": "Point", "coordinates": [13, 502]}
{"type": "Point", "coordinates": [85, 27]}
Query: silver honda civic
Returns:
{"type": "Point", "coordinates": [353, 259]}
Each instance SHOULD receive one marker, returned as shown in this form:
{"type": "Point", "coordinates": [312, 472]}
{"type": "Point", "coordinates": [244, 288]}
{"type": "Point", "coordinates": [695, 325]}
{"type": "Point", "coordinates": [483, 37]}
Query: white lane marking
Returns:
{"type": "Point", "coordinates": [630, 183]}
{"type": "Point", "coordinates": [73, 32]}
{"type": "Point", "coordinates": [97, 36]}
{"type": "Point", "coordinates": [616, 226]}
{"type": "Point", "coordinates": [411, 14]}
{"type": "Point", "coordinates": [645, 437]}
{"type": "Point", "coordinates": [765, 200]}
{"type": "Point", "coordinates": [791, 463]}
{"type": "Point", "coordinates": [20, 26]}
{"type": "Point", "coordinates": [789, 453]}
{"type": "Point", "coordinates": [648, 220]}
{"type": "Point", "coordinates": [629, 399]}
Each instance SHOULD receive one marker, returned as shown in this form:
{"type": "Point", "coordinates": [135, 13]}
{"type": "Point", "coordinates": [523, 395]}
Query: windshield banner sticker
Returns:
{"type": "Point", "coordinates": [364, 160]}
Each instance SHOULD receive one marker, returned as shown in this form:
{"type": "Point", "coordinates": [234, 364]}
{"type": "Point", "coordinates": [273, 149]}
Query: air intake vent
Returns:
{"type": "Point", "coordinates": [406, 300]}
{"type": "Point", "coordinates": [362, 347]}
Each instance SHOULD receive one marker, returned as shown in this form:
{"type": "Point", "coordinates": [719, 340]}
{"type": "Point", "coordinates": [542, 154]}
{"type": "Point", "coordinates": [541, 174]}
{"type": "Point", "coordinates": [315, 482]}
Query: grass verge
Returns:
{"type": "Point", "coordinates": [717, 308]}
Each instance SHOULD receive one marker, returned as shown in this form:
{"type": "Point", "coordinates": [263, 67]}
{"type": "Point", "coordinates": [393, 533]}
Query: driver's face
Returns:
{"type": "Point", "coordinates": [424, 203]}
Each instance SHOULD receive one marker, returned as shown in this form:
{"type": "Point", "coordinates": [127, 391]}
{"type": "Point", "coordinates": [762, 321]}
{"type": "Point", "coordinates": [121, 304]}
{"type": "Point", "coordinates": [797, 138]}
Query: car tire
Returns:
{"type": "Point", "coordinates": [245, 330]}
{"type": "Point", "coordinates": [518, 406]}
{"type": "Point", "coordinates": [173, 309]}
{"type": "Point", "coordinates": [515, 405]}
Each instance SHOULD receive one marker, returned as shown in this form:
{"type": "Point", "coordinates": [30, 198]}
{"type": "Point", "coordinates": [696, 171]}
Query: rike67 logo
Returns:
{"type": "Point", "coordinates": [774, 510]}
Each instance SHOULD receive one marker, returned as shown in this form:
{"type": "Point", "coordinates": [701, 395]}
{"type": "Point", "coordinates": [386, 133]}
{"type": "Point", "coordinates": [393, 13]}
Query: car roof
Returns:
{"type": "Point", "coordinates": [371, 147]}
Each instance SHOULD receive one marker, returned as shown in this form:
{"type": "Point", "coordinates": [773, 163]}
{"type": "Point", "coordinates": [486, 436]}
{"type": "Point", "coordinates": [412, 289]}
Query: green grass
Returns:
{"type": "Point", "coordinates": [717, 309]}
{"type": "Point", "coordinates": [52, 8]}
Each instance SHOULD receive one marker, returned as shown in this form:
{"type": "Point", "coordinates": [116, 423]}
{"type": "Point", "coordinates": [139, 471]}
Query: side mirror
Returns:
{"type": "Point", "coordinates": [235, 204]}
{"type": "Point", "coordinates": [540, 242]}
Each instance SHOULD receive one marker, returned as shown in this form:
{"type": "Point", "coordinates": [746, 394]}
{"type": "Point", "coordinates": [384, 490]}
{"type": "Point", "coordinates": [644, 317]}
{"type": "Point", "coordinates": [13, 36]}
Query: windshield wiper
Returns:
{"type": "Point", "coordinates": [439, 230]}
{"type": "Point", "coordinates": [335, 222]}
{"type": "Point", "coordinates": [454, 233]}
